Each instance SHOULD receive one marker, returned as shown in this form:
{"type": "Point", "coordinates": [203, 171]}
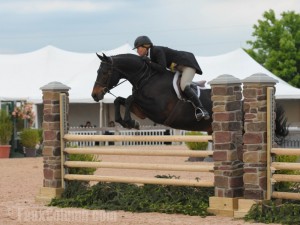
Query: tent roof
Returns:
{"type": "Point", "coordinates": [239, 64]}
{"type": "Point", "coordinates": [22, 75]}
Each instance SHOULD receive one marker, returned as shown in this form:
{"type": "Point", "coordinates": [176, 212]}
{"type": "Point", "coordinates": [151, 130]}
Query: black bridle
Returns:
{"type": "Point", "coordinates": [107, 76]}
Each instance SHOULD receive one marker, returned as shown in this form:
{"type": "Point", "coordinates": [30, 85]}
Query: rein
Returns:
{"type": "Point", "coordinates": [106, 81]}
{"type": "Point", "coordinates": [106, 90]}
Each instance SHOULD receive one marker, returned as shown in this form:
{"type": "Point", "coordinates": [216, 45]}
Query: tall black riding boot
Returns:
{"type": "Point", "coordinates": [200, 112]}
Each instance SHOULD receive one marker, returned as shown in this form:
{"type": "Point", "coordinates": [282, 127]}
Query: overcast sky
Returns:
{"type": "Point", "coordinates": [204, 27]}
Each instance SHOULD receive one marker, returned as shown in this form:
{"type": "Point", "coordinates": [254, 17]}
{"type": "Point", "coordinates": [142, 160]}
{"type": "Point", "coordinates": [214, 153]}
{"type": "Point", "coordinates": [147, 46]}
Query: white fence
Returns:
{"type": "Point", "coordinates": [144, 131]}
{"type": "Point", "coordinates": [290, 143]}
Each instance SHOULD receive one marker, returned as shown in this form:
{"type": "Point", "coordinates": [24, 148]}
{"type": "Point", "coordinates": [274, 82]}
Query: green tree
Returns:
{"type": "Point", "coordinates": [277, 45]}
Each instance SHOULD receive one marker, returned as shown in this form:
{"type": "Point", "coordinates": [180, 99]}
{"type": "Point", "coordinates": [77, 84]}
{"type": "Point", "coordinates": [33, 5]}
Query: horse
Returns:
{"type": "Point", "coordinates": [153, 94]}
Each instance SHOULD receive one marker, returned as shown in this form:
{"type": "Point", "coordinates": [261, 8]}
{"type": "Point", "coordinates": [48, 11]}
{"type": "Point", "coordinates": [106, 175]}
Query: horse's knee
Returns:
{"type": "Point", "coordinates": [118, 100]}
{"type": "Point", "coordinates": [129, 100]}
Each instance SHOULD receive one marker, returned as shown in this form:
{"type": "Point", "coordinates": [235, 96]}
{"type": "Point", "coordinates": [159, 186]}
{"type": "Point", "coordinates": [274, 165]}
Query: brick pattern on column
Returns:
{"type": "Point", "coordinates": [255, 140]}
{"type": "Point", "coordinates": [51, 131]}
{"type": "Point", "coordinates": [227, 140]}
{"type": "Point", "coordinates": [51, 134]}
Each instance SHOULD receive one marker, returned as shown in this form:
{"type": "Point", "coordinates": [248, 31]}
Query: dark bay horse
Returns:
{"type": "Point", "coordinates": [153, 94]}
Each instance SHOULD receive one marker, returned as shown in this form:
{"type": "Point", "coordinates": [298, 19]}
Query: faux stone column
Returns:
{"type": "Point", "coordinates": [255, 136]}
{"type": "Point", "coordinates": [227, 144]}
{"type": "Point", "coordinates": [52, 186]}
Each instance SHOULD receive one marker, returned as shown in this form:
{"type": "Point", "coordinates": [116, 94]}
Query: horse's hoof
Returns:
{"type": "Point", "coordinates": [136, 125]}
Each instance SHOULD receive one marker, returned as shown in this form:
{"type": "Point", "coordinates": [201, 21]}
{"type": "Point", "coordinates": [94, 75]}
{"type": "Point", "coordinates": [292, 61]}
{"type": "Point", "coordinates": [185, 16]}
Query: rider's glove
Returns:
{"type": "Point", "coordinates": [173, 67]}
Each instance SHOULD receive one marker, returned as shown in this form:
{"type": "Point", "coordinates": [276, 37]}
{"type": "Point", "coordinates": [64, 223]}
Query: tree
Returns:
{"type": "Point", "coordinates": [277, 45]}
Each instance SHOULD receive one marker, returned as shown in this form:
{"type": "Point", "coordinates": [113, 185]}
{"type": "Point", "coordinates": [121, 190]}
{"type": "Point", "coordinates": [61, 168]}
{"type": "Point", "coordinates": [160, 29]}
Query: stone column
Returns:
{"type": "Point", "coordinates": [227, 144]}
{"type": "Point", "coordinates": [255, 136]}
{"type": "Point", "coordinates": [52, 186]}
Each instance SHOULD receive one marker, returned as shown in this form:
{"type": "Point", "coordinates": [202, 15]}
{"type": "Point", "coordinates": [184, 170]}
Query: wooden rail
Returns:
{"type": "Point", "coordinates": [285, 151]}
{"type": "Point", "coordinates": [140, 180]}
{"type": "Point", "coordinates": [138, 152]}
{"type": "Point", "coordinates": [141, 166]}
{"type": "Point", "coordinates": [285, 166]}
{"type": "Point", "coordinates": [165, 138]}
{"type": "Point", "coordinates": [286, 195]}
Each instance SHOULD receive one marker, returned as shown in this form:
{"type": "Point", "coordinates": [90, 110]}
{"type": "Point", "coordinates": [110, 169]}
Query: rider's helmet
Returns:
{"type": "Point", "coordinates": [142, 41]}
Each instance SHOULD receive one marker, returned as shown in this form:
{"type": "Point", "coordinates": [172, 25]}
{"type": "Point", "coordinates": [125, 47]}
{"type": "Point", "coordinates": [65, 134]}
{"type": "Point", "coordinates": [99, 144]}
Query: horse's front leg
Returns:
{"type": "Point", "coordinates": [118, 102]}
{"type": "Point", "coordinates": [127, 117]}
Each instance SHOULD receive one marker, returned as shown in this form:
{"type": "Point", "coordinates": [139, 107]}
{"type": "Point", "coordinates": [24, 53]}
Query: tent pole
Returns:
{"type": "Point", "coordinates": [101, 115]}
{"type": "Point", "coordinates": [36, 119]}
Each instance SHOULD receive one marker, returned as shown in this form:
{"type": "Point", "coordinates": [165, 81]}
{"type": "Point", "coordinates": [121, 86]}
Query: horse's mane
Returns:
{"type": "Point", "coordinates": [127, 56]}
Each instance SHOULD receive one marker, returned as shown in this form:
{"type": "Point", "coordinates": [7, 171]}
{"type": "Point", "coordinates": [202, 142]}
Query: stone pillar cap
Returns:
{"type": "Point", "coordinates": [259, 78]}
{"type": "Point", "coordinates": [55, 86]}
{"type": "Point", "coordinates": [225, 79]}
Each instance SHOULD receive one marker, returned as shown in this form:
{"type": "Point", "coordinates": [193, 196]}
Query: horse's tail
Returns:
{"type": "Point", "coordinates": [281, 126]}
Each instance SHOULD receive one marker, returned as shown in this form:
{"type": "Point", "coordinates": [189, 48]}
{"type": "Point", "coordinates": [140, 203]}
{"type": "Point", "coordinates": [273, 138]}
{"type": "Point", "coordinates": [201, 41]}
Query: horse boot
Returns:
{"type": "Point", "coordinates": [200, 112]}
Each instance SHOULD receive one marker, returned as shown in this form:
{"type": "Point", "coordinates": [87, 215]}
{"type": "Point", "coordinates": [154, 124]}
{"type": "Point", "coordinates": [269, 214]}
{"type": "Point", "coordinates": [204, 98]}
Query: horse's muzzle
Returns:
{"type": "Point", "coordinates": [97, 97]}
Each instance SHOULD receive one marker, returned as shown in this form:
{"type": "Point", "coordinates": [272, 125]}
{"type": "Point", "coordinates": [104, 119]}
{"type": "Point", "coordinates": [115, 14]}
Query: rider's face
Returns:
{"type": "Point", "coordinates": [142, 51]}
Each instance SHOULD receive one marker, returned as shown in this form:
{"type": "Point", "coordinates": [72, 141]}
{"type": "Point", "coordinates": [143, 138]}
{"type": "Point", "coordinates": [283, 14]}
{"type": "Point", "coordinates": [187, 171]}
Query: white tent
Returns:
{"type": "Point", "coordinates": [239, 64]}
{"type": "Point", "coordinates": [22, 75]}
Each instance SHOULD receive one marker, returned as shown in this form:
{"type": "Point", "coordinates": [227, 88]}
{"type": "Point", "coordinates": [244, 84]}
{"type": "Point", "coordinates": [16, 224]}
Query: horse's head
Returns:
{"type": "Point", "coordinates": [128, 66]}
{"type": "Point", "coordinates": [107, 78]}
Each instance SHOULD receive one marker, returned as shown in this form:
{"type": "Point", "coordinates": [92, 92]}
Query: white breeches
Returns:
{"type": "Point", "coordinates": [187, 77]}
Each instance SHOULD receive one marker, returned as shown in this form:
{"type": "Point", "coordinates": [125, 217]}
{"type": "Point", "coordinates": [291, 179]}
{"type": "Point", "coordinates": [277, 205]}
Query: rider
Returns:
{"type": "Point", "coordinates": [160, 58]}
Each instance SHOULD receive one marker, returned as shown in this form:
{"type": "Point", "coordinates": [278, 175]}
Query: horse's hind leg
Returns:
{"type": "Point", "coordinates": [127, 117]}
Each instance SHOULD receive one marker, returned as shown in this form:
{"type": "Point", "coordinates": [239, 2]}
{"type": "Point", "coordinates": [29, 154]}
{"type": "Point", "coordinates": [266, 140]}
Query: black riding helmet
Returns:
{"type": "Point", "coordinates": [142, 40]}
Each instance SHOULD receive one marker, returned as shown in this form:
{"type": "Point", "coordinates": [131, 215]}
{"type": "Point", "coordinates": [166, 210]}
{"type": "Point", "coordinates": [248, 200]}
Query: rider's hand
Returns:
{"type": "Point", "coordinates": [173, 67]}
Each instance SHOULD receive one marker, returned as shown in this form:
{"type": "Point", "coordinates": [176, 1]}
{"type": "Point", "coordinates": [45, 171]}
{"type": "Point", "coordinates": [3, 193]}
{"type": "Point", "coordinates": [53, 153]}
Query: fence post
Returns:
{"type": "Point", "coordinates": [255, 136]}
{"type": "Point", "coordinates": [52, 185]}
{"type": "Point", "coordinates": [227, 144]}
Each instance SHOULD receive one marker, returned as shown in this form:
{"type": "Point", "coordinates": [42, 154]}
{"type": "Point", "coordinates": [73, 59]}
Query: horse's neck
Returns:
{"type": "Point", "coordinates": [132, 70]}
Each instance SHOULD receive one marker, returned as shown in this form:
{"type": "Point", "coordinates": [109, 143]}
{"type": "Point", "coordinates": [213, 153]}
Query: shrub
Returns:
{"type": "Point", "coordinates": [82, 157]}
{"type": "Point", "coordinates": [272, 212]}
{"type": "Point", "coordinates": [138, 198]}
{"type": "Point", "coordinates": [29, 137]}
{"type": "Point", "coordinates": [285, 186]}
{"type": "Point", "coordinates": [196, 145]}
{"type": "Point", "coordinates": [6, 128]}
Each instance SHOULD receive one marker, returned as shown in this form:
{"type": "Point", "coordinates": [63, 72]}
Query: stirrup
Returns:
{"type": "Point", "coordinates": [198, 114]}
{"type": "Point", "coordinates": [202, 114]}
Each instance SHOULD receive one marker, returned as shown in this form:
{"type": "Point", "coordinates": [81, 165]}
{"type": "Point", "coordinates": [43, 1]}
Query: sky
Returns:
{"type": "Point", "coordinates": [203, 27]}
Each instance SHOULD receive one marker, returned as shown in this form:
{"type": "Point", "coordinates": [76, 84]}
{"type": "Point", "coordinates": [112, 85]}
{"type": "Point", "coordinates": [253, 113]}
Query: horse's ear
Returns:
{"type": "Point", "coordinates": [100, 57]}
{"type": "Point", "coordinates": [104, 56]}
